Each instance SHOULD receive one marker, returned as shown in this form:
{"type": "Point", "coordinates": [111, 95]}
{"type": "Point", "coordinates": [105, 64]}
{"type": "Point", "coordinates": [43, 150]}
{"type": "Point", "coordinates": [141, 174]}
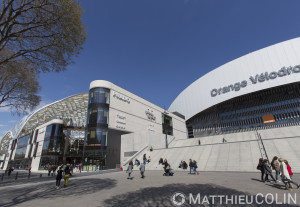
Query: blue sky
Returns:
{"type": "Point", "coordinates": [156, 48]}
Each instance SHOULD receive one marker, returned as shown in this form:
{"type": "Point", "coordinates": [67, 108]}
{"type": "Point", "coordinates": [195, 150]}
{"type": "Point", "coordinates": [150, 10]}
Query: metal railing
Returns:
{"type": "Point", "coordinates": [135, 155]}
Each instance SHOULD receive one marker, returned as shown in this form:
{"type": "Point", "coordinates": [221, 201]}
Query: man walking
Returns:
{"type": "Point", "coordinates": [142, 169]}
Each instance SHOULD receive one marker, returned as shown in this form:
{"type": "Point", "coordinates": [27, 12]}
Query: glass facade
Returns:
{"type": "Point", "coordinates": [53, 146]}
{"type": "Point", "coordinates": [21, 148]}
{"type": "Point", "coordinates": [97, 129]}
{"type": "Point", "coordinates": [99, 95]}
{"type": "Point", "coordinates": [246, 112]}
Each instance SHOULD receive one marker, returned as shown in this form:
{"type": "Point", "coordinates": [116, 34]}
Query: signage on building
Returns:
{"type": "Point", "coordinates": [121, 96]}
{"type": "Point", "coordinates": [258, 78]}
{"type": "Point", "coordinates": [150, 115]}
{"type": "Point", "coordinates": [121, 121]}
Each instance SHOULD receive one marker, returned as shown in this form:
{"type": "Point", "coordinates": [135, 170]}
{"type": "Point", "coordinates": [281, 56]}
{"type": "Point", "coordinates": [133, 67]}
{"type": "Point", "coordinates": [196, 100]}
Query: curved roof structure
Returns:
{"type": "Point", "coordinates": [269, 67]}
{"type": "Point", "coordinates": [73, 110]}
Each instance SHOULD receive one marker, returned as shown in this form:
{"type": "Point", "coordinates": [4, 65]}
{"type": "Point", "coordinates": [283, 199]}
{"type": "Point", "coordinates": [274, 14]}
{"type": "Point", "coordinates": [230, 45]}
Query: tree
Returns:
{"type": "Point", "coordinates": [36, 36]}
{"type": "Point", "coordinates": [19, 86]}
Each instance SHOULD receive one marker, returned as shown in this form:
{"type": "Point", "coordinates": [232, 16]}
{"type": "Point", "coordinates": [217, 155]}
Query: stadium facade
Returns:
{"type": "Point", "coordinates": [256, 91]}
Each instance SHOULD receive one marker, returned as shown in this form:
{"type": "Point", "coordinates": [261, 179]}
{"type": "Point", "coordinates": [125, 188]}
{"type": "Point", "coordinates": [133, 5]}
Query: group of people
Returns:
{"type": "Point", "coordinates": [192, 164]}
{"type": "Point", "coordinates": [166, 166]}
{"type": "Point", "coordinates": [183, 165]}
{"type": "Point", "coordinates": [63, 171]}
{"type": "Point", "coordinates": [141, 167]}
{"type": "Point", "coordinates": [281, 168]}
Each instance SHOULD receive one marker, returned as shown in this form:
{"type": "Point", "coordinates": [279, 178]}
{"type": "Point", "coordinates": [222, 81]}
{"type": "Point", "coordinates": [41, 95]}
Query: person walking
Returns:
{"type": "Point", "coordinates": [276, 166]}
{"type": "Point", "coordinates": [79, 168]}
{"type": "Point", "coordinates": [285, 177]}
{"type": "Point", "coordinates": [267, 170]}
{"type": "Point", "coordinates": [29, 171]}
{"type": "Point", "coordinates": [291, 173]}
{"type": "Point", "coordinates": [142, 170]}
{"type": "Point", "coordinates": [58, 177]}
{"type": "Point", "coordinates": [10, 170]}
{"type": "Point", "coordinates": [144, 159]}
{"type": "Point", "coordinates": [67, 175]}
{"type": "Point", "coordinates": [49, 169]}
{"type": "Point", "coordinates": [191, 165]}
{"type": "Point", "coordinates": [53, 170]}
{"type": "Point", "coordinates": [195, 167]}
{"type": "Point", "coordinates": [129, 170]}
{"type": "Point", "coordinates": [260, 168]}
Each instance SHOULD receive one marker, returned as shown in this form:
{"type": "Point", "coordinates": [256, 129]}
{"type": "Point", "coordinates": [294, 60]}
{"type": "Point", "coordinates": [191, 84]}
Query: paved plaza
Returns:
{"type": "Point", "coordinates": [114, 189]}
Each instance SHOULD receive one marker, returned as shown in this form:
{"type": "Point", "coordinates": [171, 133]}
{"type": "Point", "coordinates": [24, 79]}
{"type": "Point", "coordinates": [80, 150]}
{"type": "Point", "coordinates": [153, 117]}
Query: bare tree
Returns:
{"type": "Point", "coordinates": [35, 36]}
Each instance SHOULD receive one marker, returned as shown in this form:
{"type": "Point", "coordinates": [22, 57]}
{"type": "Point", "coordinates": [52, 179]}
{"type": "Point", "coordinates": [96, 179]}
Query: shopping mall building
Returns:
{"type": "Point", "coordinates": [87, 128]}
{"type": "Point", "coordinates": [108, 125]}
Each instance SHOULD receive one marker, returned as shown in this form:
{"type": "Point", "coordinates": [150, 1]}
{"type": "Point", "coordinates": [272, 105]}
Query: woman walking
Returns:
{"type": "Point", "coordinates": [276, 166]}
{"type": "Point", "coordinates": [260, 168]}
{"type": "Point", "coordinates": [67, 175]}
{"type": "Point", "coordinates": [267, 170]}
{"type": "Point", "coordinates": [286, 179]}
{"type": "Point", "coordinates": [58, 177]}
{"type": "Point", "coordinates": [289, 169]}
{"type": "Point", "coordinates": [129, 170]}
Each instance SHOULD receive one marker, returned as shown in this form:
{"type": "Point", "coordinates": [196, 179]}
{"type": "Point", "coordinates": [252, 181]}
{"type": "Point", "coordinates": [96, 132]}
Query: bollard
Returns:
{"type": "Point", "coordinates": [16, 176]}
{"type": "Point", "coordinates": [41, 175]}
{"type": "Point", "coordinates": [2, 177]}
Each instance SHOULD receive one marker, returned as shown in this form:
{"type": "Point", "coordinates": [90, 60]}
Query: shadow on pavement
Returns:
{"type": "Point", "coordinates": [11, 197]}
{"type": "Point", "coordinates": [161, 196]}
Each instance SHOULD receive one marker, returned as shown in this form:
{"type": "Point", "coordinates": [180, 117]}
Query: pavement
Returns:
{"type": "Point", "coordinates": [113, 189]}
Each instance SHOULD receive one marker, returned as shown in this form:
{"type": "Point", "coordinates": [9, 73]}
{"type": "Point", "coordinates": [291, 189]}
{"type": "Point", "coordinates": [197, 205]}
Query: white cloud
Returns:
{"type": "Point", "coordinates": [12, 121]}
{"type": "Point", "coordinates": [3, 125]}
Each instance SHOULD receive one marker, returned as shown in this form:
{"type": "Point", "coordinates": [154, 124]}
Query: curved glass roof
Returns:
{"type": "Point", "coordinates": [72, 110]}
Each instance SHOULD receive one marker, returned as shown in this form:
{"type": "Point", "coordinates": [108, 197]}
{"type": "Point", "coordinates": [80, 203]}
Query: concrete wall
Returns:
{"type": "Point", "coordinates": [134, 142]}
{"type": "Point", "coordinates": [240, 153]}
{"type": "Point", "coordinates": [127, 112]}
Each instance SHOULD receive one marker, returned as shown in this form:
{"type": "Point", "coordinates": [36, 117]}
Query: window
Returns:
{"type": "Point", "coordinates": [99, 95]}
{"type": "Point", "coordinates": [97, 137]}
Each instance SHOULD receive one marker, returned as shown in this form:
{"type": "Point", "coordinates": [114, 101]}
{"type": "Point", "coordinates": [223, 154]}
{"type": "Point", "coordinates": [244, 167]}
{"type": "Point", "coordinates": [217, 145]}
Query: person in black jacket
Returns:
{"type": "Point", "coordinates": [191, 164]}
{"type": "Point", "coordinates": [58, 177]}
{"type": "Point", "coordinates": [260, 168]}
{"type": "Point", "coordinates": [267, 170]}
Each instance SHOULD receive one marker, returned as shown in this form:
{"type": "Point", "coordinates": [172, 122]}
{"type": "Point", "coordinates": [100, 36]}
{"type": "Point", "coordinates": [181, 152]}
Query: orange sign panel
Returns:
{"type": "Point", "coordinates": [268, 118]}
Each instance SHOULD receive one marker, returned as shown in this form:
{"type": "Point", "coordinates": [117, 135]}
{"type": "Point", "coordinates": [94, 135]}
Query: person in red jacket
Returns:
{"type": "Point", "coordinates": [291, 173]}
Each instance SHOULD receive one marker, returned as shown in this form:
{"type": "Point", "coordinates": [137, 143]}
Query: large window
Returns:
{"type": "Point", "coordinates": [20, 153]}
{"type": "Point", "coordinates": [97, 137]}
{"type": "Point", "coordinates": [98, 115]}
{"type": "Point", "coordinates": [21, 147]}
{"type": "Point", "coordinates": [53, 130]}
{"type": "Point", "coordinates": [99, 95]}
{"type": "Point", "coordinates": [22, 142]}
